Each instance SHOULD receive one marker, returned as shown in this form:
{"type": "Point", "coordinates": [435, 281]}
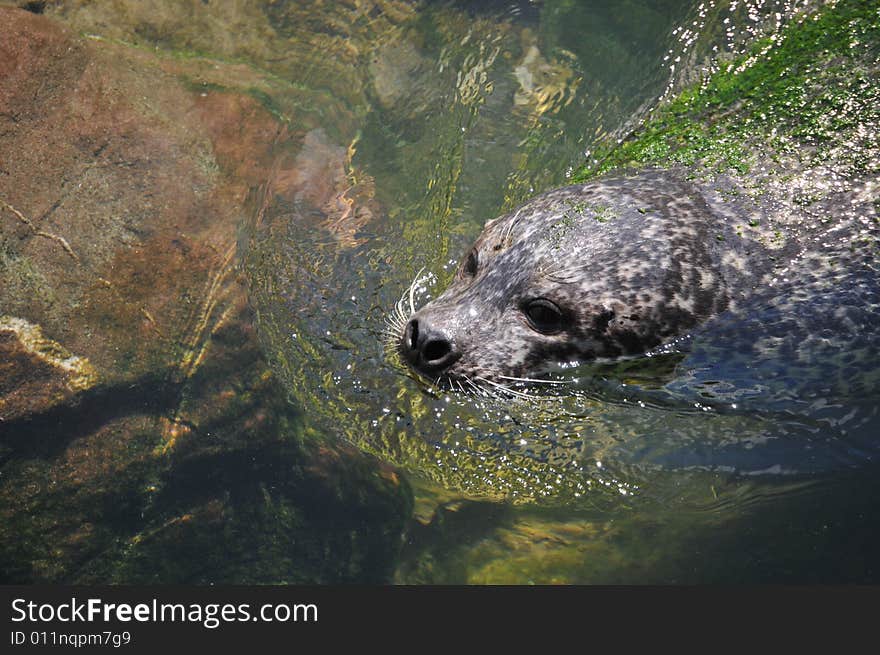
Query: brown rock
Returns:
{"type": "Point", "coordinates": [137, 416]}
{"type": "Point", "coordinates": [120, 202]}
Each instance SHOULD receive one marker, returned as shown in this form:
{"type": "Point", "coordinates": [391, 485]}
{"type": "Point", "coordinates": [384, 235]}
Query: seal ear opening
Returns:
{"type": "Point", "coordinates": [470, 265]}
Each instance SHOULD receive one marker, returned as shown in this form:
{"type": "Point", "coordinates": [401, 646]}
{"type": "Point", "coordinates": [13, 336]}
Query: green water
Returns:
{"type": "Point", "coordinates": [466, 110]}
{"type": "Point", "coordinates": [372, 139]}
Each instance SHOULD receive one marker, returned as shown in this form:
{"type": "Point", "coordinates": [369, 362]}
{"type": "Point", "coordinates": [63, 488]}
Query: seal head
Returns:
{"type": "Point", "coordinates": [601, 270]}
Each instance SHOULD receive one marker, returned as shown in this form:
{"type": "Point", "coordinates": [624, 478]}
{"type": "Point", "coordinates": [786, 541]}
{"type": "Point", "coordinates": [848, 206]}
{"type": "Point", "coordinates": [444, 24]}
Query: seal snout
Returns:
{"type": "Point", "coordinates": [426, 348]}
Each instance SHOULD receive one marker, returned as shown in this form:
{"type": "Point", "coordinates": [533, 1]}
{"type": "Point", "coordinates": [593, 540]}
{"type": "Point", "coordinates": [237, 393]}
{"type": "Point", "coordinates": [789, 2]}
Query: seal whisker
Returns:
{"type": "Point", "coordinates": [398, 312]}
{"type": "Point", "coordinates": [506, 389]}
{"type": "Point", "coordinates": [535, 380]}
{"type": "Point", "coordinates": [390, 335]}
{"type": "Point", "coordinates": [399, 307]}
{"type": "Point", "coordinates": [412, 290]}
{"type": "Point", "coordinates": [395, 322]}
{"type": "Point", "coordinates": [470, 384]}
{"type": "Point", "coordinates": [508, 231]}
{"type": "Point", "coordinates": [482, 391]}
{"type": "Point", "coordinates": [393, 326]}
{"type": "Point", "coordinates": [485, 392]}
{"type": "Point", "coordinates": [396, 315]}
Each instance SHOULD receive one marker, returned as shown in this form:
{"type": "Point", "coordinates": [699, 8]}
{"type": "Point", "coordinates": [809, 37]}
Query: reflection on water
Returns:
{"type": "Point", "coordinates": [377, 136]}
{"type": "Point", "coordinates": [465, 109]}
{"type": "Point", "coordinates": [471, 108]}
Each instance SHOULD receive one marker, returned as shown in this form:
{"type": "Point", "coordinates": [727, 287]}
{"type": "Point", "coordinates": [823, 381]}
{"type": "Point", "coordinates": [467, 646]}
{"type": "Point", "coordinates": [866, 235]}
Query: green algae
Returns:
{"type": "Point", "coordinates": [812, 82]}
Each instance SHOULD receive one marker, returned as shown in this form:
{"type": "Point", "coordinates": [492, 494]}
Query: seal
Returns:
{"type": "Point", "coordinates": [608, 269]}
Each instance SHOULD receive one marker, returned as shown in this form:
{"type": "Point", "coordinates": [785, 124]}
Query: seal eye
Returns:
{"type": "Point", "coordinates": [544, 316]}
{"type": "Point", "coordinates": [469, 269]}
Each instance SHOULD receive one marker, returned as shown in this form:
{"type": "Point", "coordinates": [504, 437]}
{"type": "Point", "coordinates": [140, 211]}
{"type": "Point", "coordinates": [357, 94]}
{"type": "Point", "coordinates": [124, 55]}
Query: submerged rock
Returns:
{"type": "Point", "coordinates": [142, 436]}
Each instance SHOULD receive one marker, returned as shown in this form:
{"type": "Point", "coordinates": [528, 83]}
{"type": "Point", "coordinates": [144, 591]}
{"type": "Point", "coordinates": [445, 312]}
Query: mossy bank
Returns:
{"type": "Point", "coordinates": [810, 93]}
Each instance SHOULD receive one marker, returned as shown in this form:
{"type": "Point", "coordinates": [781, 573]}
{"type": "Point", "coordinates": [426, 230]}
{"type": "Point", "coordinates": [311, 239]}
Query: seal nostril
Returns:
{"type": "Point", "coordinates": [413, 334]}
{"type": "Point", "coordinates": [426, 349]}
{"type": "Point", "coordinates": [436, 350]}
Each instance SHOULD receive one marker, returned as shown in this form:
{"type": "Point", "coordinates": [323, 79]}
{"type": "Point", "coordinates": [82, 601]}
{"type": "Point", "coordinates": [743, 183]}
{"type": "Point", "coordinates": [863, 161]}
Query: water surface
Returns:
{"type": "Point", "coordinates": [468, 108]}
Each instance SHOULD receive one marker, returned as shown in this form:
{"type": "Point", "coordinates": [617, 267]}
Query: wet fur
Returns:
{"type": "Point", "coordinates": [633, 261]}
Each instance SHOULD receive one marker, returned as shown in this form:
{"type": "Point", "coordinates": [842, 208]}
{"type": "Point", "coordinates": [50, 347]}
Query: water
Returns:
{"type": "Point", "coordinates": [497, 108]}
{"type": "Point", "coordinates": [408, 125]}
{"type": "Point", "coordinates": [474, 107]}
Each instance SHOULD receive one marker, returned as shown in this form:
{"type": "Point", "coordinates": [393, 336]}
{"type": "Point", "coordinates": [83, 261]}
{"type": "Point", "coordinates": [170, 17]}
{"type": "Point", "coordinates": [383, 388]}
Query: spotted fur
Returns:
{"type": "Point", "coordinates": [632, 262]}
